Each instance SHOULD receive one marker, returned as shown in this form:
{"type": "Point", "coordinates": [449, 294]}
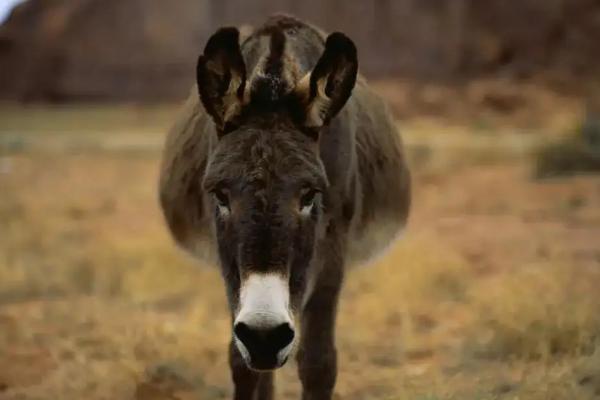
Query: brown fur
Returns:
{"type": "Point", "coordinates": [288, 126]}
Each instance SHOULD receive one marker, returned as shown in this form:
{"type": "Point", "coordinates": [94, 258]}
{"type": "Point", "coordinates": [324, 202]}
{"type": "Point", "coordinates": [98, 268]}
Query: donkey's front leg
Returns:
{"type": "Point", "coordinates": [317, 358]}
{"type": "Point", "coordinates": [248, 384]}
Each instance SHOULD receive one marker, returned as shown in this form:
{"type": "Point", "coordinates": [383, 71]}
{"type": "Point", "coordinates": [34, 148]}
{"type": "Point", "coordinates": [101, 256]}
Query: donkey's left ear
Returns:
{"type": "Point", "coordinates": [221, 76]}
{"type": "Point", "coordinates": [325, 90]}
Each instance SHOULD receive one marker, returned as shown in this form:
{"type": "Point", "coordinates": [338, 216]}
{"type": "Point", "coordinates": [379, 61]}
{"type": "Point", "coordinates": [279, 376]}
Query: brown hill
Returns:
{"type": "Point", "coordinates": [146, 49]}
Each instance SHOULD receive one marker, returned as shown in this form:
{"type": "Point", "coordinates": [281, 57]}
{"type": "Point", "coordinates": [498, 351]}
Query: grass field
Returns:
{"type": "Point", "coordinates": [492, 294]}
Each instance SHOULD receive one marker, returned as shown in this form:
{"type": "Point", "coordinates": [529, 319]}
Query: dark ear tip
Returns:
{"type": "Point", "coordinates": [200, 64]}
{"type": "Point", "coordinates": [339, 42]}
{"type": "Point", "coordinates": [227, 37]}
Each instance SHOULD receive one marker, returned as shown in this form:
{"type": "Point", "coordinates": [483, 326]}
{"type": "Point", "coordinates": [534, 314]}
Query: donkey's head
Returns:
{"type": "Point", "coordinates": [266, 184]}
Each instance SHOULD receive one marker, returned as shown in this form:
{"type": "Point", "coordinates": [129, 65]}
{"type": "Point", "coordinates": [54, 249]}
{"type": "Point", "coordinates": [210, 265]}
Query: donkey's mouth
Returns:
{"type": "Point", "coordinates": [265, 365]}
{"type": "Point", "coordinates": [263, 329]}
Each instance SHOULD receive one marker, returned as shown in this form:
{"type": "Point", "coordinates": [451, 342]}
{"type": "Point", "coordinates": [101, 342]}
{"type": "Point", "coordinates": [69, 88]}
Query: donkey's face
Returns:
{"type": "Point", "coordinates": [268, 191]}
{"type": "Point", "coordinates": [267, 187]}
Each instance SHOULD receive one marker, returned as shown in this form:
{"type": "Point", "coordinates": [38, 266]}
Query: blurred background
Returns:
{"type": "Point", "coordinates": [492, 293]}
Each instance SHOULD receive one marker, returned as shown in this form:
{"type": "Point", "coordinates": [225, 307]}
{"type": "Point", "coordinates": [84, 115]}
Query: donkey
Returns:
{"type": "Point", "coordinates": [283, 169]}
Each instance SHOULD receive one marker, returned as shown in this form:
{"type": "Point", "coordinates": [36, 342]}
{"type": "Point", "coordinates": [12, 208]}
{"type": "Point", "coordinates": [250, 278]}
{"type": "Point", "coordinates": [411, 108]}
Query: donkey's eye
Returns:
{"type": "Point", "coordinates": [307, 201]}
{"type": "Point", "coordinates": [222, 198]}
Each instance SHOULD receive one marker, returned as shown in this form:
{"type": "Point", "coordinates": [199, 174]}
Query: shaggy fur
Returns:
{"type": "Point", "coordinates": [282, 123]}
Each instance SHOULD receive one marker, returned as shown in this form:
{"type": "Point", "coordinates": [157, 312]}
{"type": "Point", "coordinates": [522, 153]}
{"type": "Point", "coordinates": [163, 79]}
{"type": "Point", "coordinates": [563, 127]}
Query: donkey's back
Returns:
{"type": "Point", "coordinates": [382, 198]}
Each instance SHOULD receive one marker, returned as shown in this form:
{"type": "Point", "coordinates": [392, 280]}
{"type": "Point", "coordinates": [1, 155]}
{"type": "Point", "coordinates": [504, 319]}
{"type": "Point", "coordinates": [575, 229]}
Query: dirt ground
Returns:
{"type": "Point", "coordinates": [492, 293]}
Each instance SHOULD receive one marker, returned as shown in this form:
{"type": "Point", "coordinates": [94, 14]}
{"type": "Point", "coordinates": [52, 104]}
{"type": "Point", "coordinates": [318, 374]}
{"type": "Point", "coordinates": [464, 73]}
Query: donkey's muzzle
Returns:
{"type": "Point", "coordinates": [267, 347]}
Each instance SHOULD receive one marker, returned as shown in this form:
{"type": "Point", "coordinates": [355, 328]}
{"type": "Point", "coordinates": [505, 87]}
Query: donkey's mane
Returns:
{"type": "Point", "coordinates": [274, 53]}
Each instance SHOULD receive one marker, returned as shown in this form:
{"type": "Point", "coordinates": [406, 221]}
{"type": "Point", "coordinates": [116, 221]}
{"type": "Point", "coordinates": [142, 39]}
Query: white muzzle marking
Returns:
{"type": "Point", "coordinates": [264, 304]}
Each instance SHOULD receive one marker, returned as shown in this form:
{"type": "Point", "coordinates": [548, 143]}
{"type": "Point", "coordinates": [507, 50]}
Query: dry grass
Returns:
{"type": "Point", "coordinates": [578, 153]}
{"type": "Point", "coordinates": [564, 320]}
{"type": "Point", "coordinates": [491, 295]}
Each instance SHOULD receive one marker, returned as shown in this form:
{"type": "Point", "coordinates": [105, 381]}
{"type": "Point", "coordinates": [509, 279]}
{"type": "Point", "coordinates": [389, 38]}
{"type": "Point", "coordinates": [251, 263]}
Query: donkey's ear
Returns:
{"type": "Point", "coordinates": [221, 76]}
{"type": "Point", "coordinates": [325, 90]}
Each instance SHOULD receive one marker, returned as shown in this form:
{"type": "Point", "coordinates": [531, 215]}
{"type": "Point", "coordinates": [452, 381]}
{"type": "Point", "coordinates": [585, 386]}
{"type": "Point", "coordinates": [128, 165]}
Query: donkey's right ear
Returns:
{"type": "Point", "coordinates": [325, 90]}
{"type": "Point", "coordinates": [221, 77]}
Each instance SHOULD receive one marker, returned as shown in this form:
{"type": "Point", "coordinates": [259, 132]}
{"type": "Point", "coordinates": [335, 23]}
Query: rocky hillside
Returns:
{"type": "Point", "coordinates": [61, 50]}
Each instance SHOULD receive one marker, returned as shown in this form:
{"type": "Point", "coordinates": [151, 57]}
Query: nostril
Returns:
{"type": "Point", "coordinates": [281, 335]}
{"type": "Point", "coordinates": [245, 334]}
{"type": "Point", "coordinates": [270, 339]}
